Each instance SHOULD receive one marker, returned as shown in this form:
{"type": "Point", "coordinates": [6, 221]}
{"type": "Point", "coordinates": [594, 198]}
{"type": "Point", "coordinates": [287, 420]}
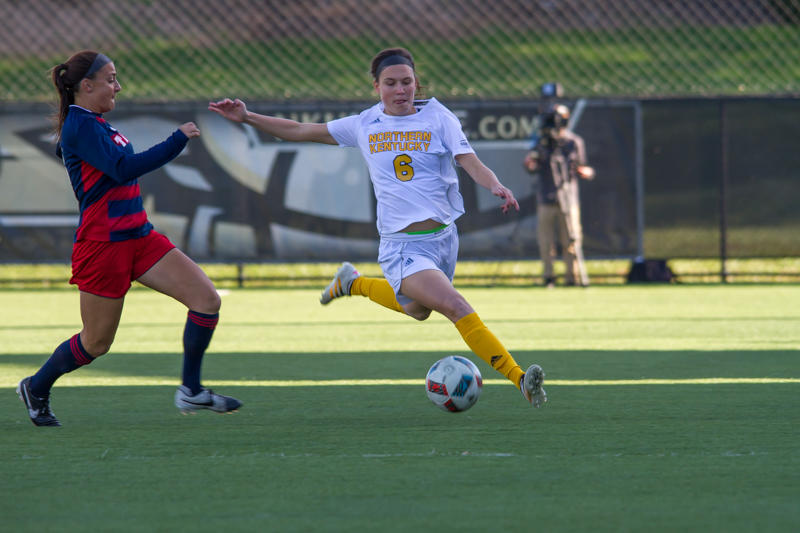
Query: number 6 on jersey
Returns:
{"type": "Point", "coordinates": [402, 167]}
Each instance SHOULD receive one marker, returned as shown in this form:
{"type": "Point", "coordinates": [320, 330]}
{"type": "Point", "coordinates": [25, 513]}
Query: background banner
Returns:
{"type": "Point", "coordinates": [236, 194]}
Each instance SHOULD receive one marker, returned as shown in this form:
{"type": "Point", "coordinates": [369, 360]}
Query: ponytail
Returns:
{"type": "Point", "coordinates": [67, 78]}
{"type": "Point", "coordinates": [65, 98]}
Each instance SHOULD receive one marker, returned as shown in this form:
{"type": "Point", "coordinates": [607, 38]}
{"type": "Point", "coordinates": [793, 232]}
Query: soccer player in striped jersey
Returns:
{"type": "Point", "coordinates": [410, 147]}
{"type": "Point", "coordinates": [115, 244]}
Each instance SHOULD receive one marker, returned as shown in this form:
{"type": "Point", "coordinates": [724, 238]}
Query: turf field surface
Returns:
{"type": "Point", "coordinates": [677, 441]}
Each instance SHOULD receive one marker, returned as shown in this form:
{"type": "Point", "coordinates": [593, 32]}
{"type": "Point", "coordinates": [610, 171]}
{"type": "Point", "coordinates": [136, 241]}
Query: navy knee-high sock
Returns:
{"type": "Point", "coordinates": [67, 357]}
{"type": "Point", "coordinates": [196, 337]}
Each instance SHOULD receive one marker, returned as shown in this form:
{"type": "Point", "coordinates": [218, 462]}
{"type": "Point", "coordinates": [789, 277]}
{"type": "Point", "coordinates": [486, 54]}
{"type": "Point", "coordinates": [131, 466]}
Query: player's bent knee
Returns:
{"type": "Point", "coordinates": [96, 348]}
{"type": "Point", "coordinates": [417, 311]}
{"type": "Point", "coordinates": [215, 301]}
{"type": "Point", "coordinates": [420, 315]}
{"type": "Point", "coordinates": [208, 302]}
{"type": "Point", "coordinates": [456, 308]}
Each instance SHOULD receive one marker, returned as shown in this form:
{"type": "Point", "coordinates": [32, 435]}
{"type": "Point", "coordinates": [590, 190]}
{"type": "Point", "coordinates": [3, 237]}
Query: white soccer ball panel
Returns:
{"type": "Point", "coordinates": [454, 384]}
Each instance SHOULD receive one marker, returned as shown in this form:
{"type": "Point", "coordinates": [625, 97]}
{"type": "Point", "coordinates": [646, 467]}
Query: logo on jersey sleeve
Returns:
{"type": "Point", "coordinates": [119, 139]}
{"type": "Point", "coordinates": [399, 141]}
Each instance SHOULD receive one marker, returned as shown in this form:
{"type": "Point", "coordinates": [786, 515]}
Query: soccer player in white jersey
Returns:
{"type": "Point", "coordinates": [409, 147]}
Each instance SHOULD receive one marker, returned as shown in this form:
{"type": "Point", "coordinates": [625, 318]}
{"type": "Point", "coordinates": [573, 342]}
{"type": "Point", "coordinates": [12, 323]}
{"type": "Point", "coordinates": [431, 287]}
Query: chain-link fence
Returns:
{"type": "Point", "coordinates": [180, 50]}
{"type": "Point", "coordinates": [685, 182]}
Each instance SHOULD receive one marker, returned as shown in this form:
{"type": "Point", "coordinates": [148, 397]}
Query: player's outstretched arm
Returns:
{"type": "Point", "coordinates": [288, 130]}
{"type": "Point", "coordinates": [111, 159]}
{"type": "Point", "coordinates": [484, 177]}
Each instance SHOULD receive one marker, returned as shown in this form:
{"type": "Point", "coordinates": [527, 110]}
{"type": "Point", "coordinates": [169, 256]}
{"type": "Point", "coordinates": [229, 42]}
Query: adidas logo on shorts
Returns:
{"type": "Point", "coordinates": [408, 262]}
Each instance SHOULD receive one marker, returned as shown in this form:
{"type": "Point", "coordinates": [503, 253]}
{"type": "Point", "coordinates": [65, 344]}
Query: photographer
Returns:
{"type": "Point", "coordinates": [559, 158]}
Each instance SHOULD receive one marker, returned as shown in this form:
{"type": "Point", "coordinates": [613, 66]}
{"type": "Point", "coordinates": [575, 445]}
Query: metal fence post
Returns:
{"type": "Point", "coordinates": [639, 132]}
{"type": "Point", "coordinates": [723, 190]}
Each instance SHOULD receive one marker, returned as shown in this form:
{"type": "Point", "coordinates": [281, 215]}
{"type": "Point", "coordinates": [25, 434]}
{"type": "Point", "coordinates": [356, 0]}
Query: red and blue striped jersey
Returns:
{"type": "Point", "coordinates": [104, 169]}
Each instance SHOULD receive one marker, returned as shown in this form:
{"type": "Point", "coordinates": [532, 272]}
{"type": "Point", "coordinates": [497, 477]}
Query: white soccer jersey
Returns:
{"type": "Point", "coordinates": [410, 160]}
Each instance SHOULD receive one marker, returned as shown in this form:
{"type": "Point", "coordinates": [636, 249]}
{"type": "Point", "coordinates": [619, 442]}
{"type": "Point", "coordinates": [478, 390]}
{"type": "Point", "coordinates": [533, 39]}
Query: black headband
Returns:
{"type": "Point", "coordinates": [396, 59]}
{"type": "Point", "coordinates": [99, 62]}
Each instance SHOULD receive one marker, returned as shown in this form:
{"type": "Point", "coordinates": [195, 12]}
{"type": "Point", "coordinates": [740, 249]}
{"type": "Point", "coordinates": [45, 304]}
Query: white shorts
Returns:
{"type": "Point", "coordinates": [401, 255]}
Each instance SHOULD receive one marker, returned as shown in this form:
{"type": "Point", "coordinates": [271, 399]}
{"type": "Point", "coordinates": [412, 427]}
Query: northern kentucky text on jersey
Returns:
{"type": "Point", "coordinates": [399, 141]}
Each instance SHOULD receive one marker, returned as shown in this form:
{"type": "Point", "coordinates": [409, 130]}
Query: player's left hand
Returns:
{"type": "Point", "coordinates": [506, 194]}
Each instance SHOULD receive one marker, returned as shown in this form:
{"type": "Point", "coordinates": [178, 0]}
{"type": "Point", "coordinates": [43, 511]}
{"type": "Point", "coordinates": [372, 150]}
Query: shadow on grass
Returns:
{"type": "Point", "coordinates": [558, 365]}
{"type": "Point", "coordinates": [311, 323]}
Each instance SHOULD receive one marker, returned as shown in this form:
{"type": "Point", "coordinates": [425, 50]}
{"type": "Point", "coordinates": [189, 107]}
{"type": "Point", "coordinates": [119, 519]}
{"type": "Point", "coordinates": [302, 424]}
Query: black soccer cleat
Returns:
{"type": "Point", "coordinates": [38, 408]}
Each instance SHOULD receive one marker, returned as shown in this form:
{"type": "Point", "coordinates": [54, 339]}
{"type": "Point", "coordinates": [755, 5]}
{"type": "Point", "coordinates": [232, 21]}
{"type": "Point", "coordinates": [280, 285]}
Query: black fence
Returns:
{"type": "Point", "coordinates": [722, 178]}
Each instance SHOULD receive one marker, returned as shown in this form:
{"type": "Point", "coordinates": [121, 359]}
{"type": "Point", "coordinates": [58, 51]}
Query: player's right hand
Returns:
{"type": "Point", "coordinates": [190, 130]}
{"type": "Point", "coordinates": [232, 110]}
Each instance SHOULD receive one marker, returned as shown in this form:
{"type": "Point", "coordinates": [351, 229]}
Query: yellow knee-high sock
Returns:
{"type": "Point", "coordinates": [378, 290]}
{"type": "Point", "coordinates": [488, 347]}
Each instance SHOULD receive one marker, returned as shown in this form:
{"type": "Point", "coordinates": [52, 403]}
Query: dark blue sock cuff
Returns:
{"type": "Point", "coordinates": [204, 320]}
{"type": "Point", "coordinates": [80, 354]}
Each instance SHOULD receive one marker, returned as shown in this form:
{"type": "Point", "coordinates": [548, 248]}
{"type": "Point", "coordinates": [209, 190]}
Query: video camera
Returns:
{"type": "Point", "coordinates": [552, 117]}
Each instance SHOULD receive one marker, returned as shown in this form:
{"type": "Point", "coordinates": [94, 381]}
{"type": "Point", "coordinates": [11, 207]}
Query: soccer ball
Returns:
{"type": "Point", "coordinates": [454, 384]}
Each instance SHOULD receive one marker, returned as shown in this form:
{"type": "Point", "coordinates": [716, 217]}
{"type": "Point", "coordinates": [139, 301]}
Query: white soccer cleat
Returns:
{"type": "Point", "coordinates": [205, 399]}
{"type": "Point", "coordinates": [531, 386]}
{"type": "Point", "coordinates": [340, 286]}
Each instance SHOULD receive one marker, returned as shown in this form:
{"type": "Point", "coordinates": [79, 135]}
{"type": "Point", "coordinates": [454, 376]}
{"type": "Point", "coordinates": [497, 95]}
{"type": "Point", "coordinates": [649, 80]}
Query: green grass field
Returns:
{"type": "Point", "coordinates": [635, 435]}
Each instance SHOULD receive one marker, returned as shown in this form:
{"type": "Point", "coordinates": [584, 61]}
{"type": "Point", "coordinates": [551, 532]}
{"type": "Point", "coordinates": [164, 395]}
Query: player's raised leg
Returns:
{"type": "Point", "coordinates": [100, 317]}
{"type": "Point", "coordinates": [433, 290]}
{"type": "Point", "coordinates": [179, 277]}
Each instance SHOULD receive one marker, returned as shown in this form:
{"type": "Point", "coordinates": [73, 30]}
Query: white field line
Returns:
{"type": "Point", "coordinates": [556, 382]}
{"type": "Point", "coordinates": [135, 381]}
